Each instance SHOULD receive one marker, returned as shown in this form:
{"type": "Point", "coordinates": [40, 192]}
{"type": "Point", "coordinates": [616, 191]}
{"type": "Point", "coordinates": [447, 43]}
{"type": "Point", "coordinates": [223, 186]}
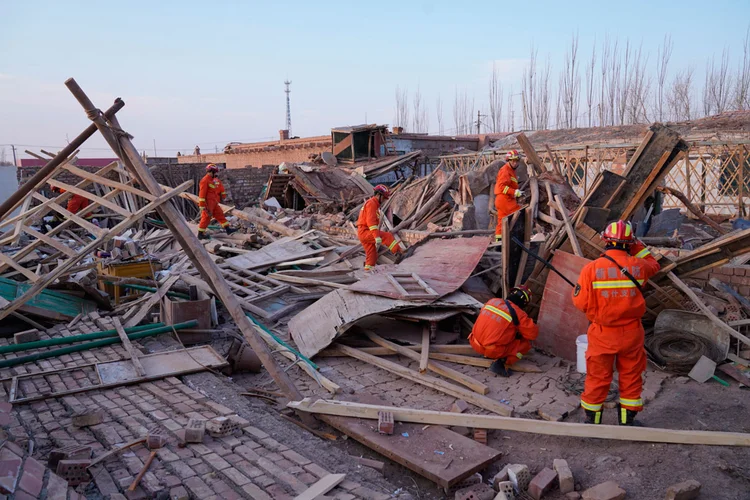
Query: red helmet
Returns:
{"type": "Point", "coordinates": [382, 189]}
{"type": "Point", "coordinates": [512, 155]}
{"type": "Point", "coordinates": [520, 295]}
{"type": "Point", "coordinates": [619, 232]}
{"type": "Point", "coordinates": [212, 168]}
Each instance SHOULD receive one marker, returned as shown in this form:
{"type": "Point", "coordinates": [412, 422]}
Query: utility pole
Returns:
{"type": "Point", "coordinates": [15, 161]}
{"type": "Point", "coordinates": [155, 148]}
{"type": "Point", "coordinates": [288, 108]}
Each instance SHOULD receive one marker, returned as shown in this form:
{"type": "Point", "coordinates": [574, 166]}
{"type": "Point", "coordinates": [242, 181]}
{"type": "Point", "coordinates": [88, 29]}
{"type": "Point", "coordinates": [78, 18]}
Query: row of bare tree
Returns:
{"type": "Point", "coordinates": [618, 89]}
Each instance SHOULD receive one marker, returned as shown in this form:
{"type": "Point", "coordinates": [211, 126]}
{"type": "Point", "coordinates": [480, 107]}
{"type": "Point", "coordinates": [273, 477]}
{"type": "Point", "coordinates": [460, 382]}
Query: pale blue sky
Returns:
{"type": "Point", "coordinates": [212, 72]}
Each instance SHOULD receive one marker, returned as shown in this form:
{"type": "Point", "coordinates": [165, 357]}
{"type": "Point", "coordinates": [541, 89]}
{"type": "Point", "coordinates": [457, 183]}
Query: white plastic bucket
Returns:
{"type": "Point", "coordinates": [582, 344]}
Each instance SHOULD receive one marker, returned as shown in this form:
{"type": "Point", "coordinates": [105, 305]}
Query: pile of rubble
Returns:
{"type": "Point", "coordinates": [126, 293]}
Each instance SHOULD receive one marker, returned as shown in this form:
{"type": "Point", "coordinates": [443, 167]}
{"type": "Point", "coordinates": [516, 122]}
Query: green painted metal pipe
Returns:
{"type": "Point", "coordinates": [144, 288]}
{"type": "Point", "coordinates": [74, 338]}
{"type": "Point", "coordinates": [91, 345]}
{"type": "Point", "coordinates": [277, 339]}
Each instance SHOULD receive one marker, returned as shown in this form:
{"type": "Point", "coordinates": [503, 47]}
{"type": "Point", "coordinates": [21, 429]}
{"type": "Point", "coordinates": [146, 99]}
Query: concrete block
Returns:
{"type": "Point", "coordinates": [155, 441]}
{"type": "Point", "coordinates": [520, 476]}
{"type": "Point", "coordinates": [479, 491]}
{"type": "Point", "coordinates": [542, 483]}
{"type": "Point", "coordinates": [564, 475]}
{"type": "Point", "coordinates": [87, 419]}
{"type": "Point", "coordinates": [74, 451]}
{"type": "Point", "coordinates": [459, 406]}
{"type": "Point", "coordinates": [74, 471]}
{"type": "Point", "coordinates": [385, 422]}
{"type": "Point", "coordinates": [505, 490]}
{"type": "Point", "coordinates": [195, 430]}
{"type": "Point", "coordinates": [480, 436]}
{"type": "Point", "coordinates": [26, 336]}
{"type": "Point", "coordinates": [220, 427]}
{"type": "Point", "coordinates": [604, 491]}
{"type": "Point", "coordinates": [686, 490]}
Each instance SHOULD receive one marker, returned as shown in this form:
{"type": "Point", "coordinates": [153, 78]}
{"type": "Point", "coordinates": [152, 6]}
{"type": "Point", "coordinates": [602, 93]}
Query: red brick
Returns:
{"type": "Point", "coordinates": [686, 490]}
{"type": "Point", "coordinates": [480, 436]}
{"type": "Point", "coordinates": [459, 406]}
{"type": "Point", "coordinates": [74, 471]}
{"type": "Point", "coordinates": [542, 483]}
{"type": "Point", "coordinates": [385, 422]}
{"type": "Point", "coordinates": [9, 471]}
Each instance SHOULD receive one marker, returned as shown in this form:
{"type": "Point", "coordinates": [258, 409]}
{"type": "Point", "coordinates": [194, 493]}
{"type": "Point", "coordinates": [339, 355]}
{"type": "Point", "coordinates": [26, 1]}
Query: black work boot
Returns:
{"type": "Point", "coordinates": [593, 417]}
{"type": "Point", "coordinates": [202, 235]}
{"type": "Point", "coordinates": [230, 230]}
{"type": "Point", "coordinates": [499, 368]}
{"type": "Point", "coordinates": [627, 417]}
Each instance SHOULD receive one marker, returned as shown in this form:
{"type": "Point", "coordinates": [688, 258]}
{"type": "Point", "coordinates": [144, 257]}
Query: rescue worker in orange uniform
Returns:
{"type": "Point", "coordinates": [211, 193]}
{"type": "Point", "coordinates": [367, 228]}
{"type": "Point", "coordinates": [76, 203]}
{"type": "Point", "coordinates": [506, 191]}
{"type": "Point", "coordinates": [503, 331]}
{"type": "Point", "coordinates": [609, 292]}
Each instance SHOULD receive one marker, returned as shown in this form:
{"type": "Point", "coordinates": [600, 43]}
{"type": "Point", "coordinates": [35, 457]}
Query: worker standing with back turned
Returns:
{"type": "Point", "coordinates": [609, 291]}
{"type": "Point", "coordinates": [210, 194]}
{"type": "Point", "coordinates": [506, 191]}
{"type": "Point", "coordinates": [368, 230]}
{"type": "Point", "coordinates": [503, 331]}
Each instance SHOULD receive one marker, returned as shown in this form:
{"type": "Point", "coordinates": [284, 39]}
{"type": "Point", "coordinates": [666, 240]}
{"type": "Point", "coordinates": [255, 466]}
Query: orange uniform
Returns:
{"type": "Point", "coordinates": [77, 203]}
{"type": "Point", "coordinates": [367, 231]}
{"type": "Point", "coordinates": [615, 306]}
{"type": "Point", "coordinates": [495, 335]}
{"type": "Point", "coordinates": [211, 193]}
{"type": "Point", "coordinates": [506, 185]}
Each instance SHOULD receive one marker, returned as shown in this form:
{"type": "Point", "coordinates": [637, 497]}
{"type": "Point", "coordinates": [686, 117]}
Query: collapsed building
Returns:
{"type": "Point", "coordinates": [139, 361]}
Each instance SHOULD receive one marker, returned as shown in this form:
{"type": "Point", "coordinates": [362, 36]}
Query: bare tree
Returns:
{"type": "Point", "coordinates": [463, 113]}
{"type": "Point", "coordinates": [679, 96]}
{"type": "Point", "coordinates": [610, 69]}
{"type": "Point", "coordinates": [496, 100]}
{"type": "Point", "coordinates": [535, 98]}
{"type": "Point", "coordinates": [569, 88]}
{"type": "Point", "coordinates": [742, 89]}
{"type": "Point", "coordinates": [439, 110]}
{"type": "Point", "coordinates": [639, 86]}
{"type": "Point", "coordinates": [662, 62]}
{"type": "Point", "coordinates": [511, 118]}
{"type": "Point", "coordinates": [718, 85]}
{"type": "Point", "coordinates": [590, 83]}
{"type": "Point", "coordinates": [421, 120]}
{"type": "Point", "coordinates": [402, 108]}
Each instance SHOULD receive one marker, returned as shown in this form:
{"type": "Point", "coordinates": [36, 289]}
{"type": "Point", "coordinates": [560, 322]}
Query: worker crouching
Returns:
{"type": "Point", "coordinates": [210, 195]}
{"type": "Point", "coordinates": [503, 331]}
{"type": "Point", "coordinates": [368, 231]}
{"type": "Point", "coordinates": [609, 292]}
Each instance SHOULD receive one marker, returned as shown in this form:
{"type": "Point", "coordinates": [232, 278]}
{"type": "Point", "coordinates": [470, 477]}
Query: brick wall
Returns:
{"type": "Point", "coordinates": [265, 153]}
{"type": "Point", "coordinates": [738, 277]}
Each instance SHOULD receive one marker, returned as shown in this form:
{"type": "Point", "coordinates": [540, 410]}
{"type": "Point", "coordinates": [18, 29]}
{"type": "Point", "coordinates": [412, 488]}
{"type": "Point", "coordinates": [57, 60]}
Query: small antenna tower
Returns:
{"type": "Point", "coordinates": [288, 107]}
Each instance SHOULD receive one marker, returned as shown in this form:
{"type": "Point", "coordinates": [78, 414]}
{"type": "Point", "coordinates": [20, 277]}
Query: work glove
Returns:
{"type": "Point", "coordinates": [378, 241]}
{"type": "Point", "coordinates": [519, 193]}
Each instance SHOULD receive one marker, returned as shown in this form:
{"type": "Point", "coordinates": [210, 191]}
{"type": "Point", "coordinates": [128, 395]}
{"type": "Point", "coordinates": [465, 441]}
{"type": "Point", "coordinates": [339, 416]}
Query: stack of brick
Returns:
{"type": "Point", "coordinates": [738, 277]}
{"type": "Point", "coordinates": [24, 477]}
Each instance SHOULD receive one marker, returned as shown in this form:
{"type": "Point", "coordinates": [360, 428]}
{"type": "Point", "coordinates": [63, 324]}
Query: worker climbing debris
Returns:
{"type": "Point", "coordinates": [211, 194]}
{"type": "Point", "coordinates": [609, 291]}
{"type": "Point", "coordinates": [503, 331]}
{"type": "Point", "coordinates": [368, 228]}
{"type": "Point", "coordinates": [506, 191]}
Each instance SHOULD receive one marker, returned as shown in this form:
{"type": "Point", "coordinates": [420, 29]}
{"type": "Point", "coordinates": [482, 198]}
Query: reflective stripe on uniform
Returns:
{"type": "Point", "coordinates": [373, 228]}
{"type": "Point", "coordinates": [212, 185]}
{"type": "Point", "coordinates": [643, 253]}
{"type": "Point", "coordinates": [201, 199]}
{"type": "Point", "coordinates": [393, 244]}
{"type": "Point", "coordinates": [499, 312]}
{"type": "Point", "coordinates": [600, 285]}
{"type": "Point", "coordinates": [587, 406]}
{"type": "Point", "coordinates": [224, 224]}
{"type": "Point", "coordinates": [505, 190]}
{"type": "Point", "coordinates": [201, 230]}
{"type": "Point", "coordinates": [631, 402]}
{"type": "Point", "coordinates": [514, 179]}
{"type": "Point", "coordinates": [519, 355]}
{"type": "Point", "coordinates": [498, 237]}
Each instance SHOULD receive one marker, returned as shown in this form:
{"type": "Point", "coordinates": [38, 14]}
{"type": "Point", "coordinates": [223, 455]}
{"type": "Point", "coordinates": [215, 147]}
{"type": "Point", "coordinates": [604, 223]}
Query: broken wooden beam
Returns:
{"type": "Point", "coordinates": [616, 432]}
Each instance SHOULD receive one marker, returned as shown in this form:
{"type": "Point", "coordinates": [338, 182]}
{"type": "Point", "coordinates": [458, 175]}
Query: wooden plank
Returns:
{"type": "Point", "coordinates": [505, 269]}
{"type": "Point", "coordinates": [82, 192]}
{"type": "Point", "coordinates": [152, 301]}
{"type": "Point", "coordinates": [531, 155]}
{"type": "Point", "coordinates": [322, 487]}
{"type": "Point", "coordinates": [648, 185]}
{"type": "Point", "coordinates": [438, 368]}
{"type": "Point", "coordinates": [98, 179]}
{"type": "Point", "coordinates": [424, 356]}
{"type": "Point", "coordinates": [8, 261]}
{"type": "Point", "coordinates": [457, 349]}
{"type": "Point", "coordinates": [88, 226]}
{"type": "Point", "coordinates": [54, 243]}
{"type": "Point", "coordinates": [128, 347]}
{"type": "Point", "coordinates": [705, 310]}
{"type": "Point", "coordinates": [569, 228]}
{"type": "Point", "coordinates": [616, 432]}
{"type": "Point", "coordinates": [723, 287]}
{"type": "Point", "coordinates": [638, 152]}
{"type": "Point", "coordinates": [116, 450]}
{"type": "Point", "coordinates": [431, 382]}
